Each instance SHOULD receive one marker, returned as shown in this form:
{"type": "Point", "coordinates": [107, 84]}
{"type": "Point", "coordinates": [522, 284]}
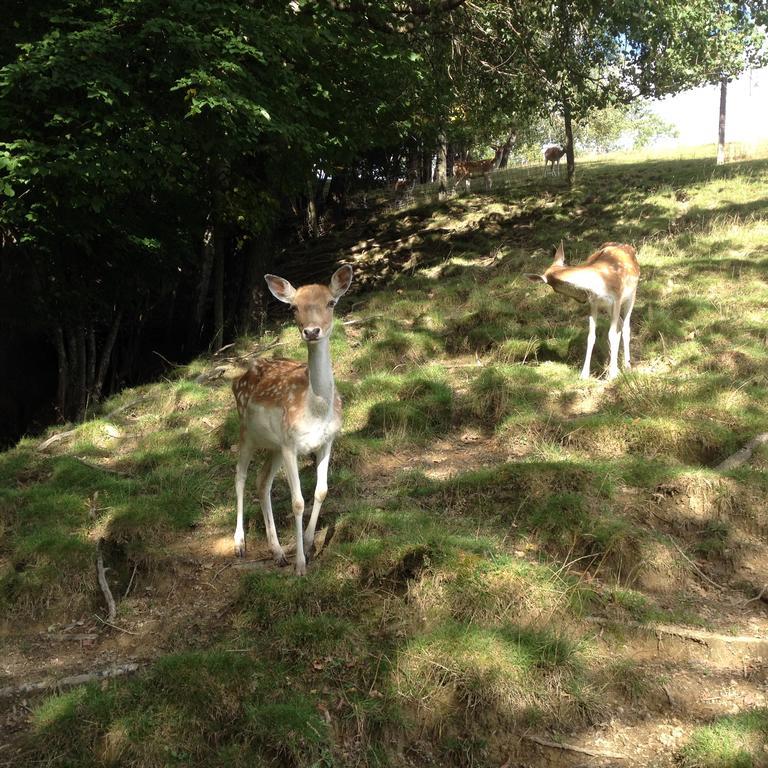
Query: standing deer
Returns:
{"type": "Point", "coordinates": [607, 280]}
{"type": "Point", "coordinates": [464, 170]}
{"type": "Point", "coordinates": [291, 409]}
{"type": "Point", "coordinates": [553, 155]}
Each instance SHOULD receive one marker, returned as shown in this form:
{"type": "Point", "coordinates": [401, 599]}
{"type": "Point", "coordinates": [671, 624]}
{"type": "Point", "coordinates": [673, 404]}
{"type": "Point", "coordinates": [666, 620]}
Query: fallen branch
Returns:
{"type": "Point", "coordinates": [61, 435]}
{"type": "Point", "coordinates": [100, 467]}
{"type": "Point", "coordinates": [743, 455]}
{"type": "Point", "coordinates": [571, 748]}
{"type": "Point", "coordinates": [106, 591]}
{"type": "Point", "coordinates": [67, 682]}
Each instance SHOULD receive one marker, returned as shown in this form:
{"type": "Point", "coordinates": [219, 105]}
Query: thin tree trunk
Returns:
{"type": "Point", "coordinates": [63, 371]}
{"type": "Point", "coordinates": [218, 290]}
{"type": "Point", "coordinates": [91, 356]}
{"type": "Point", "coordinates": [106, 356]}
{"type": "Point", "coordinates": [71, 398]}
{"type": "Point", "coordinates": [82, 373]}
{"type": "Point", "coordinates": [506, 149]}
{"type": "Point", "coordinates": [569, 142]}
{"type": "Point", "coordinates": [721, 122]}
{"type": "Point", "coordinates": [312, 227]}
{"type": "Point", "coordinates": [207, 254]}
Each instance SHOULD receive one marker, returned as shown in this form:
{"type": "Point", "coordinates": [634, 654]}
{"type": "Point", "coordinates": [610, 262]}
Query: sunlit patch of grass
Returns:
{"type": "Point", "coordinates": [733, 741]}
{"type": "Point", "coordinates": [423, 406]}
{"type": "Point", "coordinates": [502, 390]}
{"type": "Point", "coordinates": [494, 675]}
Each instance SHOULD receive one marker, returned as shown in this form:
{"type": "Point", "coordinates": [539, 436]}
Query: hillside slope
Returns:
{"type": "Point", "coordinates": [516, 567]}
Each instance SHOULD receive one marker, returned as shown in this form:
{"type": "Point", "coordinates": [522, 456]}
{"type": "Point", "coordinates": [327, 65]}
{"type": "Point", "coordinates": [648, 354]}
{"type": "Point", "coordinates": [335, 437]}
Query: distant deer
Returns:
{"type": "Point", "coordinates": [464, 170]}
{"type": "Point", "coordinates": [607, 280]}
{"type": "Point", "coordinates": [553, 155]}
{"type": "Point", "coordinates": [291, 409]}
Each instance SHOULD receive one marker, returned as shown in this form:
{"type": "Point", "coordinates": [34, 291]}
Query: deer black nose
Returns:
{"type": "Point", "coordinates": [311, 334]}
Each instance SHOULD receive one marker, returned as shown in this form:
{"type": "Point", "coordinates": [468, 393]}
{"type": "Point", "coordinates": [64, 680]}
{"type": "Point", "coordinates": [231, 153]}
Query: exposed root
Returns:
{"type": "Point", "coordinates": [571, 748]}
{"type": "Point", "coordinates": [105, 590]}
{"type": "Point", "coordinates": [743, 455]}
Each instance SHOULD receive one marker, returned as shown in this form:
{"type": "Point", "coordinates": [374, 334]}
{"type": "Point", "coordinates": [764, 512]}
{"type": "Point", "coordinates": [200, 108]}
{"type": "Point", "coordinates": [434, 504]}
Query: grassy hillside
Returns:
{"type": "Point", "coordinates": [514, 559]}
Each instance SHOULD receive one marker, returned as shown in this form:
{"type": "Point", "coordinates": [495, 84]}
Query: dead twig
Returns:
{"type": "Point", "coordinates": [572, 748]}
{"type": "Point", "coordinates": [759, 596]}
{"type": "Point", "coordinates": [130, 583]}
{"type": "Point", "coordinates": [114, 626]}
{"type": "Point", "coordinates": [67, 682]}
{"type": "Point", "coordinates": [743, 455]}
{"type": "Point", "coordinates": [102, 576]}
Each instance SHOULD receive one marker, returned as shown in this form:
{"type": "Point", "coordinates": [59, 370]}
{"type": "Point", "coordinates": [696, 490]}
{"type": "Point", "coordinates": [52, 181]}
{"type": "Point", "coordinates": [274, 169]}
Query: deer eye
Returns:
{"type": "Point", "coordinates": [331, 304]}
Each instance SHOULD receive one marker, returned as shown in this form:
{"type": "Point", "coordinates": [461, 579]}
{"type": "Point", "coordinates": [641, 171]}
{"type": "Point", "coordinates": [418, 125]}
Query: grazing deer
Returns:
{"type": "Point", "coordinates": [291, 409]}
{"type": "Point", "coordinates": [464, 170]}
{"type": "Point", "coordinates": [607, 280]}
{"type": "Point", "coordinates": [553, 155]}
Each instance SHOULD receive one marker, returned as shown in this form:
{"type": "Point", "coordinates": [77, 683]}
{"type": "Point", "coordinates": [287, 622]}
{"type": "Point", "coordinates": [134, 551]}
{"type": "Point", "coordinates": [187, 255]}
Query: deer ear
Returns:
{"type": "Point", "coordinates": [560, 255]}
{"type": "Point", "coordinates": [281, 289]}
{"type": "Point", "coordinates": [341, 280]}
{"type": "Point", "coordinates": [536, 278]}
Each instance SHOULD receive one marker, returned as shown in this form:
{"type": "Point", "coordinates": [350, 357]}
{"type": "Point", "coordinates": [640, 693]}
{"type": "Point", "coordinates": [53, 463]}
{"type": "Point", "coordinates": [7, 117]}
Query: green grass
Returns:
{"type": "Point", "coordinates": [737, 741]}
{"type": "Point", "coordinates": [445, 611]}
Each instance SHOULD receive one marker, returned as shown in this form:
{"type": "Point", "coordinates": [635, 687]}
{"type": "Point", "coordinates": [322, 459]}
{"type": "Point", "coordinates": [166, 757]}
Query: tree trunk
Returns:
{"type": "Point", "coordinates": [413, 160]}
{"type": "Point", "coordinates": [441, 168]}
{"type": "Point", "coordinates": [312, 228]}
{"type": "Point", "coordinates": [569, 141]}
{"type": "Point", "coordinates": [91, 356]}
{"type": "Point", "coordinates": [63, 368]}
{"type": "Point", "coordinates": [82, 374]}
{"type": "Point", "coordinates": [506, 148]}
{"type": "Point", "coordinates": [721, 122]}
{"type": "Point", "coordinates": [252, 297]}
{"type": "Point", "coordinates": [217, 342]}
{"type": "Point", "coordinates": [207, 254]}
{"type": "Point", "coordinates": [106, 356]}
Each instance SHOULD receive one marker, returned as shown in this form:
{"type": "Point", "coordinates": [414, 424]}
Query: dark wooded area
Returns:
{"type": "Point", "coordinates": [157, 158]}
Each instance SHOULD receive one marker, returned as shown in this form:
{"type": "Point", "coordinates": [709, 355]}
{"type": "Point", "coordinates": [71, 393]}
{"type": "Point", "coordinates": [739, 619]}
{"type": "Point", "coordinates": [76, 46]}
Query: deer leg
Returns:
{"type": "Point", "coordinates": [628, 306]}
{"type": "Point", "coordinates": [266, 476]}
{"type": "Point", "coordinates": [241, 472]}
{"type": "Point", "coordinates": [614, 334]}
{"type": "Point", "coordinates": [590, 342]}
{"type": "Point", "coordinates": [321, 490]}
{"type": "Point", "coordinates": [297, 504]}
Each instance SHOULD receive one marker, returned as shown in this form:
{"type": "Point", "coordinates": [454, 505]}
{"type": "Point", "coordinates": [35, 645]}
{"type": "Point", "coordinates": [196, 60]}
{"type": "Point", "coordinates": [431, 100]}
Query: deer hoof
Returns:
{"type": "Point", "coordinates": [240, 548]}
{"type": "Point", "coordinates": [301, 569]}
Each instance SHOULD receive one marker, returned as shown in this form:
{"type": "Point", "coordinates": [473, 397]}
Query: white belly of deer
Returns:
{"type": "Point", "coordinates": [312, 433]}
{"type": "Point", "coordinates": [267, 429]}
